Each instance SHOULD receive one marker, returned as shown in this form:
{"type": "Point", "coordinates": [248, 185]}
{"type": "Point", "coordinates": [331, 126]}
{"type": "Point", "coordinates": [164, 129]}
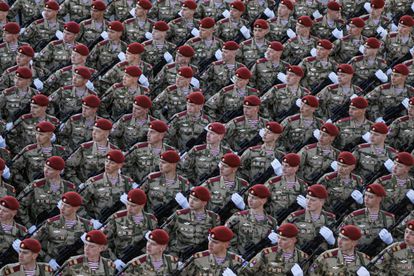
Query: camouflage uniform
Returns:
{"type": "Point", "coordinates": [369, 228]}
{"type": "Point", "coordinates": [29, 9]}
{"type": "Point", "coordinates": [55, 236]}
{"type": "Point", "coordinates": [17, 269]}
{"type": "Point", "coordinates": [134, 31]}
{"type": "Point", "coordinates": [203, 51]}
{"type": "Point", "coordinates": [12, 102]}
{"type": "Point", "coordinates": [401, 134]}
{"type": "Point", "coordinates": [209, 8]}
{"type": "Point", "coordinates": [351, 7]}
{"type": "Point", "coordinates": [119, 9]}
{"type": "Point", "coordinates": [279, 99]}
{"type": "Point", "coordinates": [165, 10]}
{"type": "Point", "coordinates": [248, 229]}
{"type": "Point", "coordinates": [370, 28]}
{"type": "Point", "coordinates": [351, 133]}
{"type": "Point", "coordinates": [347, 47]}
{"type": "Point", "coordinates": [6, 189]}
{"type": "Point", "coordinates": [364, 69]}
{"type": "Point", "coordinates": [17, 231]}
{"type": "Point", "coordinates": [142, 265]}
{"type": "Point", "coordinates": [395, 190]}
{"type": "Point", "coordinates": [104, 54]}
{"type": "Point", "coordinates": [398, 259]}
{"type": "Point", "coordinates": [76, 9]}
{"type": "Point", "coordinates": [122, 231]}
{"type": "Point", "coordinates": [168, 75]}
{"type": "Point", "coordinates": [255, 8]}
{"type": "Point", "coordinates": [323, 30]}
{"type": "Point", "coordinates": [86, 161]}
{"type": "Point", "coordinates": [78, 265]}
{"type": "Point", "coordinates": [7, 78]}
{"type": "Point", "coordinates": [180, 30]}
{"type": "Point", "coordinates": [250, 52]}
{"type": "Point", "coordinates": [40, 193]}
{"type": "Point", "coordinates": [90, 31]}
{"type": "Point", "coordinates": [395, 48]}
{"type": "Point", "coordinates": [40, 32]}
{"type": "Point", "coordinates": [278, 28]}
{"type": "Point", "coordinates": [264, 74]}
{"type": "Point", "coordinates": [255, 160]}
{"type": "Point", "coordinates": [400, 229]}
{"type": "Point", "coordinates": [159, 192]}
{"type": "Point", "coordinates": [229, 30]}
{"type": "Point", "coordinates": [369, 161]}
{"type": "Point", "coordinates": [153, 54]}
{"type": "Point", "coordinates": [8, 56]}
{"type": "Point", "coordinates": [395, 7]}
{"type": "Point", "coordinates": [315, 71]}
{"type": "Point", "coordinates": [240, 130]}
{"type": "Point", "coordinates": [410, 65]}
{"type": "Point", "coordinates": [297, 49]}
{"type": "Point", "coordinates": [306, 7]}
{"type": "Point", "coordinates": [55, 55]}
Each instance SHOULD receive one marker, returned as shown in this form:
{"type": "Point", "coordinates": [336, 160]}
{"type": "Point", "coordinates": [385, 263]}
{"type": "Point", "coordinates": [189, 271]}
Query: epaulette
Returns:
{"type": "Point", "coordinates": [183, 211]}
{"type": "Point", "coordinates": [11, 270]}
{"type": "Point", "coordinates": [54, 120]}
{"type": "Point", "coordinates": [139, 261]}
{"type": "Point", "coordinates": [257, 147]}
{"type": "Point", "coordinates": [357, 58]}
{"type": "Point", "coordinates": [9, 91]}
{"type": "Point", "coordinates": [363, 146]}
{"type": "Point", "coordinates": [172, 87]}
{"type": "Point", "coordinates": [39, 21]}
{"type": "Point", "coordinates": [254, 90]}
{"type": "Point", "coordinates": [239, 119]}
{"type": "Point", "coordinates": [181, 114]}
{"type": "Point", "coordinates": [294, 118]}
{"type": "Point", "coordinates": [39, 183]}
{"type": "Point", "coordinates": [205, 117]}
{"type": "Point", "coordinates": [173, 258]}
{"type": "Point", "coordinates": [141, 145]}
{"type": "Point", "coordinates": [2, 45]}
{"type": "Point", "coordinates": [408, 62]}
{"type": "Point", "coordinates": [224, 20]}
{"type": "Point", "coordinates": [311, 146]}
{"type": "Point", "coordinates": [97, 177]}
{"type": "Point", "coordinates": [330, 253]}
{"type": "Point", "coordinates": [213, 179]}
{"type": "Point", "coordinates": [171, 65]}
{"type": "Point", "coordinates": [154, 175]}
{"type": "Point", "coordinates": [333, 86]}
{"type": "Point", "coordinates": [403, 119]}
{"type": "Point", "coordinates": [280, 86]}
{"type": "Point", "coordinates": [228, 88]}
{"type": "Point", "coordinates": [218, 62]}
{"type": "Point", "coordinates": [388, 214]}
{"type": "Point", "coordinates": [244, 183]}
{"type": "Point", "coordinates": [177, 20]}
{"type": "Point", "coordinates": [346, 37]}
{"type": "Point", "coordinates": [146, 43]}
{"type": "Point", "coordinates": [319, 19]}
{"type": "Point", "coordinates": [182, 178]}
{"type": "Point", "coordinates": [76, 261]}
{"type": "Point", "coordinates": [200, 147]}
{"type": "Point", "coordinates": [292, 39]}
{"type": "Point", "coordinates": [67, 68]}
{"type": "Point", "coordinates": [344, 120]}
{"type": "Point", "coordinates": [123, 63]}
{"type": "Point", "coordinates": [55, 218]}
{"type": "Point", "coordinates": [275, 179]}
{"type": "Point", "coordinates": [87, 145]}
{"type": "Point", "coordinates": [153, 217]}
{"type": "Point", "coordinates": [386, 86]}
{"type": "Point", "coordinates": [128, 21]}
{"type": "Point", "coordinates": [121, 214]}
{"type": "Point", "coordinates": [236, 257]}
{"type": "Point", "coordinates": [70, 185]}
{"type": "Point", "coordinates": [385, 177]}
{"type": "Point", "coordinates": [329, 214]}
{"type": "Point", "coordinates": [399, 246]}
{"type": "Point", "coordinates": [12, 69]}
{"type": "Point", "coordinates": [76, 117]}
{"type": "Point", "coordinates": [21, 227]}
{"type": "Point", "coordinates": [310, 59]}
{"type": "Point", "coordinates": [358, 212]}
{"type": "Point", "coordinates": [87, 22]}
{"type": "Point", "coordinates": [391, 149]}
{"type": "Point", "coordinates": [30, 147]}
{"type": "Point", "coordinates": [126, 117]}
{"type": "Point", "coordinates": [195, 39]}
{"type": "Point", "coordinates": [393, 34]}
{"type": "Point", "coordinates": [67, 87]}
{"type": "Point", "coordinates": [269, 250]}
{"type": "Point", "coordinates": [27, 116]}
{"type": "Point", "coordinates": [243, 213]}
{"type": "Point", "coordinates": [261, 60]}
{"type": "Point", "coordinates": [331, 176]}
{"type": "Point", "coordinates": [57, 42]}
{"type": "Point", "coordinates": [247, 42]}
{"type": "Point", "coordinates": [364, 17]}
{"type": "Point", "coordinates": [202, 254]}
{"type": "Point", "coordinates": [112, 146]}
{"type": "Point", "coordinates": [298, 213]}
{"type": "Point", "coordinates": [59, 147]}
{"type": "Point", "coordinates": [104, 42]}
{"type": "Point", "coordinates": [118, 85]}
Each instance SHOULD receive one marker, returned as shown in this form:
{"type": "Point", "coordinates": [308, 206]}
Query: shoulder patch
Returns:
{"type": "Point", "coordinates": [311, 146]}
{"type": "Point", "coordinates": [331, 176]}
{"type": "Point", "coordinates": [87, 145]}
{"type": "Point", "coordinates": [98, 177]}
{"type": "Point", "coordinates": [154, 175]}
{"type": "Point", "coordinates": [213, 179]}
{"type": "Point", "coordinates": [76, 117]}
{"type": "Point", "coordinates": [363, 146]}
{"type": "Point", "coordinates": [275, 179]}
{"type": "Point", "coordinates": [27, 116]}
{"type": "Point", "coordinates": [57, 42]}
{"type": "Point", "coordinates": [358, 212]}
{"type": "Point", "coordinates": [385, 177]}
{"type": "Point", "coordinates": [183, 211]}
{"type": "Point", "coordinates": [55, 218]}
{"type": "Point", "coordinates": [294, 118]}
{"type": "Point", "coordinates": [298, 213]}
{"type": "Point", "coordinates": [202, 254]}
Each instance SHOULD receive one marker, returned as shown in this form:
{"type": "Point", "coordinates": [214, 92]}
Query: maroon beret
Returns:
{"type": "Point", "coordinates": [135, 48]}
{"type": "Point", "coordinates": [357, 22]}
{"type": "Point", "coordinates": [359, 102]}
{"type": "Point", "coordinates": [276, 45]}
{"type": "Point", "coordinates": [72, 27]}
{"type": "Point", "coordinates": [311, 100]}
{"type": "Point", "coordinates": [231, 159]}
{"type": "Point", "coordinates": [345, 68]}
{"type": "Point", "coordinates": [261, 23]}
{"type": "Point", "coordinates": [12, 28]}
{"type": "Point", "coordinates": [207, 22]}
{"type": "Point", "coordinates": [53, 5]}
{"type": "Point", "coordinates": [137, 196]}
{"type": "Point", "coordinates": [411, 101]}
{"type": "Point", "coordinates": [351, 231]}
{"type": "Point", "coordinates": [72, 198]}
{"type": "Point", "coordinates": [143, 101]}
{"type": "Point", "coordinates": [186, 51]}
{"type": "Point", "coordinates": [297, 70]}
{"type": "Point", "coordinates": [202, 193]}
{"type": "Point", "coordinates": [81, 49]}
{"type": "Point", "coordinates": [372, 42]}
{"type": "Point", "coordinates": [238, 5]}
{"type": "Point", "coordinates": [133, 71]}
{"type": "Point", "coordinates": [170, 156]}
{"type": "Point", "coordinates": [186, 72]}
{"type": "Point", "coordinates": [145, 4]}
{"type": "Point", "coordinates": [326, 44]}
{"type": "Point", "coordinates": [376, 189]}
{"type": "Point", "coordinates": [406, 20]}
{"type": "Point", "coordinates": [347, 158]}
{"type": "Point", "coordinates": [40, 100]}
{"type": "Point", "coordinates": [231, 45]}
{"type": "Point", "coordinates": [401, 69]}
{"type": "Point", "coordinates": [56, 162]}
{"type": "Point", "coordinates": [305, 21]}
{"type": "Point", "coordinates": [318, 191]}
{"type": "Point", "coordinates": [243, 73]}
{"type": "Point", "coordinates": [116, 26]}
{"type": "Point", "coordinates": [98, 5]}
{"type": "Point", "coordinates": [189, 4]}
{"type": "Point", "coordinates": [26, 50]}
{"type": "Point", "coordinates": [4, 7]}
{"type": "Point", "coordinates": [292, 159]}
{"type": "Point", "coordinates": [334, 6]}
{"type": "Point", "coordinates": [331, 129]}
{"type": "Point", "coordinates": [259, 190]}
{"type": "Point", "coordinates": [195, 98]}
{"type": "Point", "coordinates": [405, 158]}
{"type": "Point", "coordinates": [377, 4]}
{"type": "Point", "coordinates": [84, 72]}
{"type": "Point", "coordinates": [274, 127]}
{"type": "Point", "coordinates": [2, 164]}
{"type": "Point", "coordinates": [10, 203]}
{"type": "Point", "coordinates": [103, 124]}
{"type": "Point", "coordinates": [288, 4]}
{"type": "Point", "coordinates": [217, 128]}
{"type": "Point", "coordinates": [251, 100]}
{"type": "Point", "coordinates": [380, 128]}
{"type": "Point", "coordinates": [160, 236]}
{"type": "Point", "coordinates": [31, 244]}
{"type": "Point", "coordinates": [161, 26]}
{"type": "Point", "coordinates": [221, 233]}
{"type": "Point", "coordinates": [96, 236]}
{"type": "Point", "coordinates": [45, 127]}
{"type": "Point", "coordinates": [410, 225]}
{"type": "Point", "coordinates": [91, 101]}
{"type": "Point", "coordinates": [24, 73]}
{"type": "Point", "coordinates": [158, 125]}
{"type": "Point", "coordinates": [116, 156]}
{"type": "Point", "coordinates": [288, 230]}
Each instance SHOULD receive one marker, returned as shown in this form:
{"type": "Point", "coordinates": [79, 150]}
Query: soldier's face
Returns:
{"type": "Point", "coordinates": [88, 112]}
{"type": "Point", "coordinates": [92, 250]}
{"type": "Point", "coordinates": [326, 139]}
{"type": "Point", "coordinates": [182, 60]}
{"type": "Point", "coordinates": [282, 11]}
{"type": "Point", "coordinates": [97, 14]}
{"type": "Point", "coordinates": [26, 256]}
{"type": "Point", "coordinates": [158, 35]}
{"type": "Point", "coordinates": [286, 243]}
{"type": "Point", "coordinates": [37, 110]}
{"type": "Point", "coordinates": [409, 237]}
{"type": "Point", "coordinates": [371, 200]}
{"type": "Point", "coordinates": [187, 13]}
{"type": "Point", "coordinates": [128, 80]}
{"type": "Point", "coordinates": [307, 110]}
{"type": "Point", "coordinates": [68, 210]}
{"type": "Point", "coordinates": [111, 166]}
{"type": "Point", "coordinates": [354, 30]}
{"type": "Point", "coordinates": [228, 55]}
{"type": "Point", "coordinates": [154, 248]}
{"type": "Point", "coordinates": [196, 204]}
{"type": "Point", "coordinates": [68, 37]}
{"type": "Point", "coordinates": [43, 138]}
{"type": "Point", "coordinates": [182, 82]}
{"type": "Point", "coordinates": [194, 109]}
{"type": "Point", "coordinates": [260, 33]}
{"type": "Point", "coordinates": [235, 14]}
{"type": "Point", "coordinates": [314, 203]}
{"type": "Point", "coordinates": [345, 243]}
{"type": "Point", "coordinates": [270, 136]}
{"type": "Point", "coordinates": [370, 52]}
{"type": "Point", "coordinates": [133, 208]}
{"type": "Point", "coordinates": [77, 58]}
{"type": "Point", "coordinates": [404, 30]}
{"type": "Point", "coordinates": [216, 247]}
{"type": "Point", "coordinates": [226, 170]}
{"type": "Point", "coordinates": [344, 169]}
{"type": "Point", "coordinates": [113, 35]}
{"type": "Point", "coordinates": [356, 112]}
{"type": "Point", "coordinates": [213, 138]}
{"type": "Point", "coordinates": [154, 136]}
{"type": "Point", "coordinates": [255, 202]}
{"type": "Point", "coordinates": [334, 15]}
{"type": "Point", "coordinates": [288, 170]}
{"type": "Point", "coordinates": [398, 79]}
{"type": "Point", "coordinates": [376, 12]}
{"type": "Point", "coordinates": [322, 52]}
{"type": "Point", "coordinates": [3, 15]}
{"type": "Point", "coordinates": [344, 78]}
{"type": "Point", "coordinates": [302, 30]}
{"type": "Point", "coordinates": [49, 13]}
{"type": "Point", "coordinates": [140, 12]}
{"type": "Point", "coordinates": [272, 54]}
{"type": "Point", "coordinates": [22, 60]}
{"type": "Point", "coordinates": [78, 80]}
{"type": "Point", "coordinates": [400, 169]}
{"type": "Point", "coordinates": [8, 37]}
{"type": "Point", "coordinates": [166, 167]}
{"type": "Point", "coordinates": [138, 111]}
{"type": "Point", "coordinates": [21, 82]}
{"type": "Point", "coordinates": [99, 135]}
{"type": "Point", "coordinates": [50, 172]}
{"type": "Point", "coordinates": [411, 110]}
{"type": "Point", "coordinates": [6, 214]}
{"type": "Point", "coordinates": [377, 138]}
{"type": "Point", "coordinates": [292, 79]}
{"type": "Point", "coordinates": [250, 111]}
{"type": "Point", "coordinates": [131, 58]}
{"type": "Point", "coordinates": [206, 33]}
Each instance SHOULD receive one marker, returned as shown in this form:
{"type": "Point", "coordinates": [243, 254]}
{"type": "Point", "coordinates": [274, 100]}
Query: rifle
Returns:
{"type": "Point", "coordinates": [134, 250]}
{"type": "Point", "coordinates": [318, 174]}
{"type": "Point", "coordinates": [319, 86]}
{"type": "Point", "coordinates": [194, 141]}
{"type": "Point", "coordinates": [391, 113]}
{"type": "Point", "coordinates": [283, 213]}
{"type": "Point", "coordinates": [244, 145]}
{"type": "Point", "coordinates": [178, 271]}
{"type": "Point", "coordinates": [376, 174]}
{"type": "Point", "coordinates": [284, 114]}
{"type": "Point", "coordinates": [299, 146]}
{"type": "Point", "coordinates": [340, 111]}
{"type": "Point", "coordinates": [226, 117]}
{"type": "Point", "coordinates": [105, 69]}
{"type": "Point", "coordinates": [400, 208]}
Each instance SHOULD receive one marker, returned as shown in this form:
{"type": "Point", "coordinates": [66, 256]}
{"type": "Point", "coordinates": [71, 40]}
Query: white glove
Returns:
{"type": "Point", "coordinates": [16, 245]}
{"type": "Point", "coordinates": [168, 57]}
{"type": "Point", "coordinates": [195, 82]}
{"type": "Point", "coordinates": [218, 54]}
{"type": "Point", "coordinates": [273, 237]}
{"type": "Point", "coordinates": [245, 32]}
{"type": "Point", "coordinates": [338, 33]}
{"type": "Point", "coordinates": [316, 14]}
{"type": "Point", "coordinates": [334, 165]}
{"type": "Point", "coordinates": [119, 264]}
{"type": "Point", "coordinates": [96, 224]}
{"type": "Point", "coordinates": [6, 173]}
{"type": "Point", "coordinates": [381, 75]}
{"type": "Point", "coordinates": [269, 13]}
{"type": "Point", "coordinates": [148, 35]}
{"type": "Point", "coordinates": [361, 49]}
{"type": "Point", "coordinates": [38, 84]}
{"type": "Point", "coordinates": [367, 7]}
{"type": "Point", "coordinates": [410, 195]}
{"type": "Point", "coordinates": [9, 126]}
{"type": "Point", "coordinates": [81, 186]}
{"type": "Point", "coordinates": [282, 77]}
{"type": "Point", "coordinates": [262, 132]}
{"type": "Point", "coordinates": [389, 164]}
{"type": "Point", "coordinates": [333, 77]}
{"type": "Point", "coordinates": [90, 85]}
{"type": "Point", "coordinates": [228, 272]}
{"type": "Point", "coordinates": [327, 234]}
{"type": "Point", "coordinates": [290, 33]}
{"type": "Point", "coordinates": [124, 198]}
{"type": "Point", "coordinates": [132, 12]}
{"type": "Point", "coordinates": [59, 34]}
{"type": "Point", "coordinates": [301, 200]}
{"type": "Point", "coordinates": [277, 167]}
{"type": "Point", "coordinates": [367, 137]}
{"type": "Point", "coordinates": [53, 138]}
{"type": "Point", "coordinates": [362, 271]}
{"type": "Point", "coordinates": [385, 236]}
{"type": "Point", "coordinates": [2, 142]}
{"type": "Point", "coordinates": [32, 229]}
{"type": "Point", "coordinates": [317, 134]}
{"type": "Point", "coordinates": [104, 35]}
{"type": "Point", "coordinates": [238, 201]}
{"type": "Point", "coordinates": [83, 237]}
{"type": "Point", "coordinates": [143, 80]}
{"type": "Point", "coordinates": [59, 204]}
{"type": "Point", "coordinates": [296, 270]}
{"type": "Point", "coordinates": [182, 201]}
{"type": "Point", "coordinates": [195, 32]}
{"type": "Point", "coordinates": [379, 120]}
{"type": "Point", "coordinates": [226, 14]}
{"type": "Point", "coordinates": [313, 52]}
{"type": "Point", "coordinates": [357, 196]}
{"type": "Point", "coordinates": [53, 264]}
{"type": "Point", "coordinates": [406, 103]}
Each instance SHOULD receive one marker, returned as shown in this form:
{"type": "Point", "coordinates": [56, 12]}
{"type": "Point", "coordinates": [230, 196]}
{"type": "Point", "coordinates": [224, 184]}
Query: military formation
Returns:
{"type": "Point", "coordinates": [210, 137]}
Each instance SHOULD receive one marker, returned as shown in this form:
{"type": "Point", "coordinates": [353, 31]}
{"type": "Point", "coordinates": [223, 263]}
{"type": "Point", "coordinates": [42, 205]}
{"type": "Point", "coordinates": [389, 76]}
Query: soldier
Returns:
{"type": "Point", "coordinates": [10, 45]}
{"type": "Point", "coordinates": [396, 259]}
{"type": "Point", "coordinates": [64, 76]}
{"type": "Point", "coordinates": [388, 96]}
{"type": "Point", "coordinates": [252, 225]}
{"type": "Point", "coordinates": [146, 155]}
{"type": "Point", "coordinates": [162, 186]}
{"type": "Point", "coordinates": [133, 128]}
{"type": "Point", "coordinates": [366, 65]}
{"type": "Point", "coordinates": [353, 127]}
{"type": "Point", "coordinates": [299, 47]}
{"type": "Point", "coordinates": [62, 231]}
{"type": "Point", "coordinates": [91, 262]}
{"type": "Point", "coordinates": [189, 227]}
{"type": "Point", "coordinates": [217, 258]}
{"type": "Point", "coordinates": [5, 188]}
{"type": "Point", "coordinates": [43, 193]}
{"type": "Point", "coordinates": [335, 96]}
{"type": "Point", "coordinates": [343, 183]}
{"type": "Point", "coordinates": [279, 259]}
{"type": "Point", "coordinates": [128, 227]}
{"type": "Point", "coordinates": [158, 45]}
{"type": "Point", "coordinates": [372, 155]}
{"type": "Point", "coordinates": [298, 129]}
{"type": "Point", "coordinates": [173, 99]}
{"type": "Point", "coordinates": [23, 131]}
{"type": "Point", "coordinates": [4, 11]}
{"type": "Point", "coordinates": [40, 32]}
{"type": "Point", "coordinates": [28, 252]}
{"type": "Point", "coordinates": [27, 10]}
{"type": "Point", "coordinates": [116, 73]}
{"type": "Point", "coordinates": [285, 188]}
{"type": "Point", "coordinates": [57, 53]}
{"type": "Point", "coordinates": [398, 44]}
{"type": "Point", "coordinates": [89, 159]}
{"type": "Point", "coordinates": [180, 28]}
{"type": "Point", "coordinates": [375, 19]}
{"type": "Point", "coordinates": [243, 129]}
{"type": "Point", "coordinates": [14, 101]}
{"type": "Point", "coordinates": [120, 10]}
{"type": "Point", "coordinates": [188, 125]}
{"type": "Point", "coordinates": [28, 164]}
{"type": "Point", "coordinates": [104, 54]}
{"type": "Point", "coordinates": [254, 10]}
{"type": "Point", "coordinates": [345, 258]}
{"type": "Point", "coordinates": [75, 10]}
{"type": "Point", "coordinates": [305, 8]}
{"type": "Point", "coordinates": [103, 190]}
{"type": "Point", "coordinates": [155, 261]}
{"type": "Point", "coordinates": [347, 47]}
{"type": "Point", "coordinates": [399, 182]}
{"type": "Point", "coordinates": [325, 25]}
{"type": "Point", "coordinates": [265, 70]}
{"type": "Point", "coordinates": [206, 44]}
{"type": "Point", "coordinates": [78, 128]}
{"type": "Point", "coordinates": [165, 10]}
{"type": "Point", "coordinates": [256, 159]}
{"type": "Point", "coordinates": [282, 22]}
{"type": "Point", "coordinates": [255, 48]}
{"type": "Point", "coordinates": [200, 163]}
{"type": "Point", "coordinates": [317, 68]}
{"type": "Point", "coordinates": [313, 220]}
{"type": "Point", "coordinates": [136, 28]}
{"type": "Point", "coordinates": [67, 100]}
{"type": "Point", "coordinates": [224, 187]}
{"type": "Point", "coordinates": [118, 99]}
{"type": "Point", "coordinates": [230, 98]}
{"type": "Point", "coordinates": [212, 8]}
{"type": "Point", "coordinates": [372, 220]}
{"type": "Point", "coordinates": [279, 101]}
{"type": "Point", "coordinates": [316, 158]}
{"type": "Point", "coordinates": [91, 29]}
{"type": "Point", "coordinates": [168, 73]}
{"type": "Point", "coordinates": [400, 135]}
{"type": "Point", "coordinates": [229, 28]}
{"type": "Point", "coordinates": [219, 73]}
{"type": "Point", "coordinates": [10, 229]}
